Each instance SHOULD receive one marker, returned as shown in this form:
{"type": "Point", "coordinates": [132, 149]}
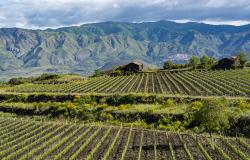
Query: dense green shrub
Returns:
{"type": "Point", "coordinates": [19, 98]}
{"type": "Point", "coordinates": [17, 81]}
{"type": "Point", "coordinates": [105, 117]}
{"type": "Point", "coordinates": [47, 76]}
{"type": "Point", "coordinates": [195, 106]}
{"type": "Point", "coordinates": [213, 116]}
{"type": "Point", "coordinates": [206, 115]}
{"type": "Point", "coordinates": [128, 99]}
{"type": "Point", "coordinates": [168, 123]}
{"type": "Point", "coordinates": [194, 62]}
{"type": "Point", "coordinates": [169, 102]}
{"type": "Point", "coordinates": [168, 65]}
{"type": "Point", "coordinates": [81, 100]}
{"type": "Point", "coordinates": [243, 58]}
{"type": "Point", "coordinates": [92, 99]}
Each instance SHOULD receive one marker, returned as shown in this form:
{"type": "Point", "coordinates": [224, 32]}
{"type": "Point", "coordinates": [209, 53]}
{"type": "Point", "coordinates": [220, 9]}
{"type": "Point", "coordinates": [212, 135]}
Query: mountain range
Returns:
{"type": "Point", "coordinates": [82, 49]}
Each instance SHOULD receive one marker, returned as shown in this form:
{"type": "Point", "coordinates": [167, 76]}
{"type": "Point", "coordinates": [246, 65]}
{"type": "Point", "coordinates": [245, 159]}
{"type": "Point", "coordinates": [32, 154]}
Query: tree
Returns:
{"type": "Point", "coordinates": [243, 58]}
{"type": "Point", "coordinates": [168, 65]}
{"type": "Point", "coordinates": [15, 81]}
{"type": "Point", "coordinates": [212, 62]}
{"type": "Point", "coordinates": [118, 73]}
{"type": "Point", "coordinates": [194, 62]}
{"type": "Point", "coordinates": [47, 76]}
{"type": "Point", "coordinates": [205, 62]}
{"type": "Point", "coordinates": [213, 115]}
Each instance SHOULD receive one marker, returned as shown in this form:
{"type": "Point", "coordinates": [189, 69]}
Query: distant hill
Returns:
{"type": "Point", "coordinates": [91, 46]}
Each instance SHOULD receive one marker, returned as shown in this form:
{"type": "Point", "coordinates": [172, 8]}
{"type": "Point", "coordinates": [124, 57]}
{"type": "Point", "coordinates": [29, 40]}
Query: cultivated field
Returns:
{"type": "Point", "coordinates": [194, 83]}
{"type": "Point", "coordinates": [22, 139]}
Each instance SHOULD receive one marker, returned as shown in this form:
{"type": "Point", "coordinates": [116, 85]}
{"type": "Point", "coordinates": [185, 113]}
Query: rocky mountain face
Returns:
{"type": "Point", "coordinates": [91, 46]}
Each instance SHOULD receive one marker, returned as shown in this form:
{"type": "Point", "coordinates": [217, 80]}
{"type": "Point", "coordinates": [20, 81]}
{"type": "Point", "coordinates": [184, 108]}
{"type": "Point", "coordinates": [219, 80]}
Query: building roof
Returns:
{"type": "Point", "coordinates": [137, 62]}
{"type": "Point", "coordinates": [229, 58]}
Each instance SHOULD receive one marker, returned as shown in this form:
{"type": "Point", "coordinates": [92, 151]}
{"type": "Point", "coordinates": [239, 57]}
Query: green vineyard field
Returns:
{"type": "Point", "coordinates": [194, 83]}
{"type": "Point", "coordinates": [29, 139]}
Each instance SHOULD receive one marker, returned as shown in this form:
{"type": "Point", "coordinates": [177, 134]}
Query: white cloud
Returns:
{"type": "Point", "coordinates": [222, 22]}
{"type": "Point", "coordinates": [214, 22]}
{"type": "Point", "coordinates": [57, 13]}
{"type": "Point", "coordinates": [115, 5]}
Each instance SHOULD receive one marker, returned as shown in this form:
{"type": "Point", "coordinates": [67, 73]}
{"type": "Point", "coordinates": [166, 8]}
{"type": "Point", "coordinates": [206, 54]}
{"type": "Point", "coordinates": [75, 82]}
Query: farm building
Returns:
{"type": "Point", "coordinates": [228, 63]}
{"type": "Point", "coordinates": [134, 66]}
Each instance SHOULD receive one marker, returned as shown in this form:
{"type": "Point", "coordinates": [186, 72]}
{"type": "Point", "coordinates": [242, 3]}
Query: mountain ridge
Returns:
{"type": "Point", "coordinates": [85, 48]}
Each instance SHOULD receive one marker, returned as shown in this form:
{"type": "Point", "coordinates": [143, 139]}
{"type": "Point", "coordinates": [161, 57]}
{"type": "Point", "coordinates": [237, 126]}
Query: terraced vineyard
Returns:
{"type": "Point", "coordinates": [195, 83]}
{"type": "Point", "coordinates": [21, 139]}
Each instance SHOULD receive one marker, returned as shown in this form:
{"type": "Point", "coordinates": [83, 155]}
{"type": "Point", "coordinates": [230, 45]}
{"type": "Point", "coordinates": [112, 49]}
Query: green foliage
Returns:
{"type": "Point", "coordinates": [248, 64]}
{"type": "Point", "coordinates": [81, 100]}
{"type": "Point", "coordinates": [124, 106]}
{"type": "Point", "coordinates": [179, 66]}
{"type": "Point", "coordinates": [129, 99]}
{"type": "Point", "coordinates": [47, 76]}
{"type": "Point", "coordinates": [102, 100]}
{"type": "Point", "coordinates": [71, 106]}
{"type": "Point", "coordinates": [138, 123]}
{"type": "Point", "coordinates": [168, 65]}
{"type": "Point", "coordinates": [214, 115]}
{"type": "Point", "coordinates": [225, 114]}
{"type": "Point", "coordinates": [105, 117]}
{"type": "Point", "coordinates": [118, 73]}
{"type": "Point", "coordinates": [102, 106]}
{"type": "Point", "coordinates": [243, 58]}
{"type": "Point", "coordinates": [20, 98]}
{"type": "Point", "coordinates": [196, 106]}
{"type": "Point", "coordinates": [20, 80]}
{"type": "Point", "coordinates": [43, 77]}
{"type": "Point", "coordinates": [194, 62]}
{"type": "Point", "coordinates": [242, 104]}
{"type": "Point", "coordinates": [206, 62]}
{"type": "Point", "coordinates": [169, 102]}
{"type": "Point", "coordinates": [57, 109]}
{"type": "Point", "coordinates": [168, 123]}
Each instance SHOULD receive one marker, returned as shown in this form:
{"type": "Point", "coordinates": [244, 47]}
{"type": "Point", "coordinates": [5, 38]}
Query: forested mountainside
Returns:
{"type": "Point", "coordinates": [88, 47]}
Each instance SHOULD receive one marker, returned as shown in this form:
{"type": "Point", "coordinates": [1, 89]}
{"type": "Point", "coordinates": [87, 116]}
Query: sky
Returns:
{"type": "Point", "coordinates": [42, 14]}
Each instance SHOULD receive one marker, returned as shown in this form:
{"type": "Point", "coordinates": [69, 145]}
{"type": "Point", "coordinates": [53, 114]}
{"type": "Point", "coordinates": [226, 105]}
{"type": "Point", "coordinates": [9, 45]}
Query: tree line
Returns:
{"type": "Point", "coordinates": [207, 63]}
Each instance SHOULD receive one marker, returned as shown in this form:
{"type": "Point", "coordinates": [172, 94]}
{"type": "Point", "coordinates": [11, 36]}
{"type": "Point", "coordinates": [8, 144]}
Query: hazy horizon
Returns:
{"type": "Point", "coordinates": [233, 23]}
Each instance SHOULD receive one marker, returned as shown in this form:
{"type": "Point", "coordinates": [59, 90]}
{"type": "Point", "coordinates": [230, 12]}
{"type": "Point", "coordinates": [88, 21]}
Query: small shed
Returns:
{"type": "Point", "coordinates": [228, 63]}
{"type": "Point", "coordinates": [134, 66]}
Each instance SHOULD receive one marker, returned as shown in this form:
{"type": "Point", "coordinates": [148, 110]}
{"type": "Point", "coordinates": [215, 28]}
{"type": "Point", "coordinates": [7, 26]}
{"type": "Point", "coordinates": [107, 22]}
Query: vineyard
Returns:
{"type": "Point", "coordinates": [195, 83]}
{"type": "Point", "coordinates": [22, 139]}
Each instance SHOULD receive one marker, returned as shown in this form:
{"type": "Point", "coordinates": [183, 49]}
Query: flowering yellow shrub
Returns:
{"type": "Point", "coordinates": [196, 106]}
{"type": "Point", "coordinates": [71, 106]}
{"type": "Point", "coordinates": [77, 98]}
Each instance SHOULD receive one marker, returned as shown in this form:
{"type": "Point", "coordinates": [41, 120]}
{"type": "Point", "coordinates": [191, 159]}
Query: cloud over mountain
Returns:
{"type": "Point", "coordinates": [57, 13]}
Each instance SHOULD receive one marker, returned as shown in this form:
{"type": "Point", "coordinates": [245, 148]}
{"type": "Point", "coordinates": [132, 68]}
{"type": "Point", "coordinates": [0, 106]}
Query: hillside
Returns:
{"type": "Point", "coordinates": [234, 83]}
{"type": "Point", "coordinates": [53, 140]}
{"type": "Point", "coordinates": [88, 47]}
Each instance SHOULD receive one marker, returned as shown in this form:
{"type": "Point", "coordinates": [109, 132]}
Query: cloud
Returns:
{"type": "Point", "coordinates": [215, 22]}
{"type": "Point", "coordinates": [57, 13]}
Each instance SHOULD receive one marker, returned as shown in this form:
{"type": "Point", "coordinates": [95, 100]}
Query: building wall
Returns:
{"type": "Point", "coordinates": [227, 63]}
{"type": "Point", "coordinates": [133, 67]}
